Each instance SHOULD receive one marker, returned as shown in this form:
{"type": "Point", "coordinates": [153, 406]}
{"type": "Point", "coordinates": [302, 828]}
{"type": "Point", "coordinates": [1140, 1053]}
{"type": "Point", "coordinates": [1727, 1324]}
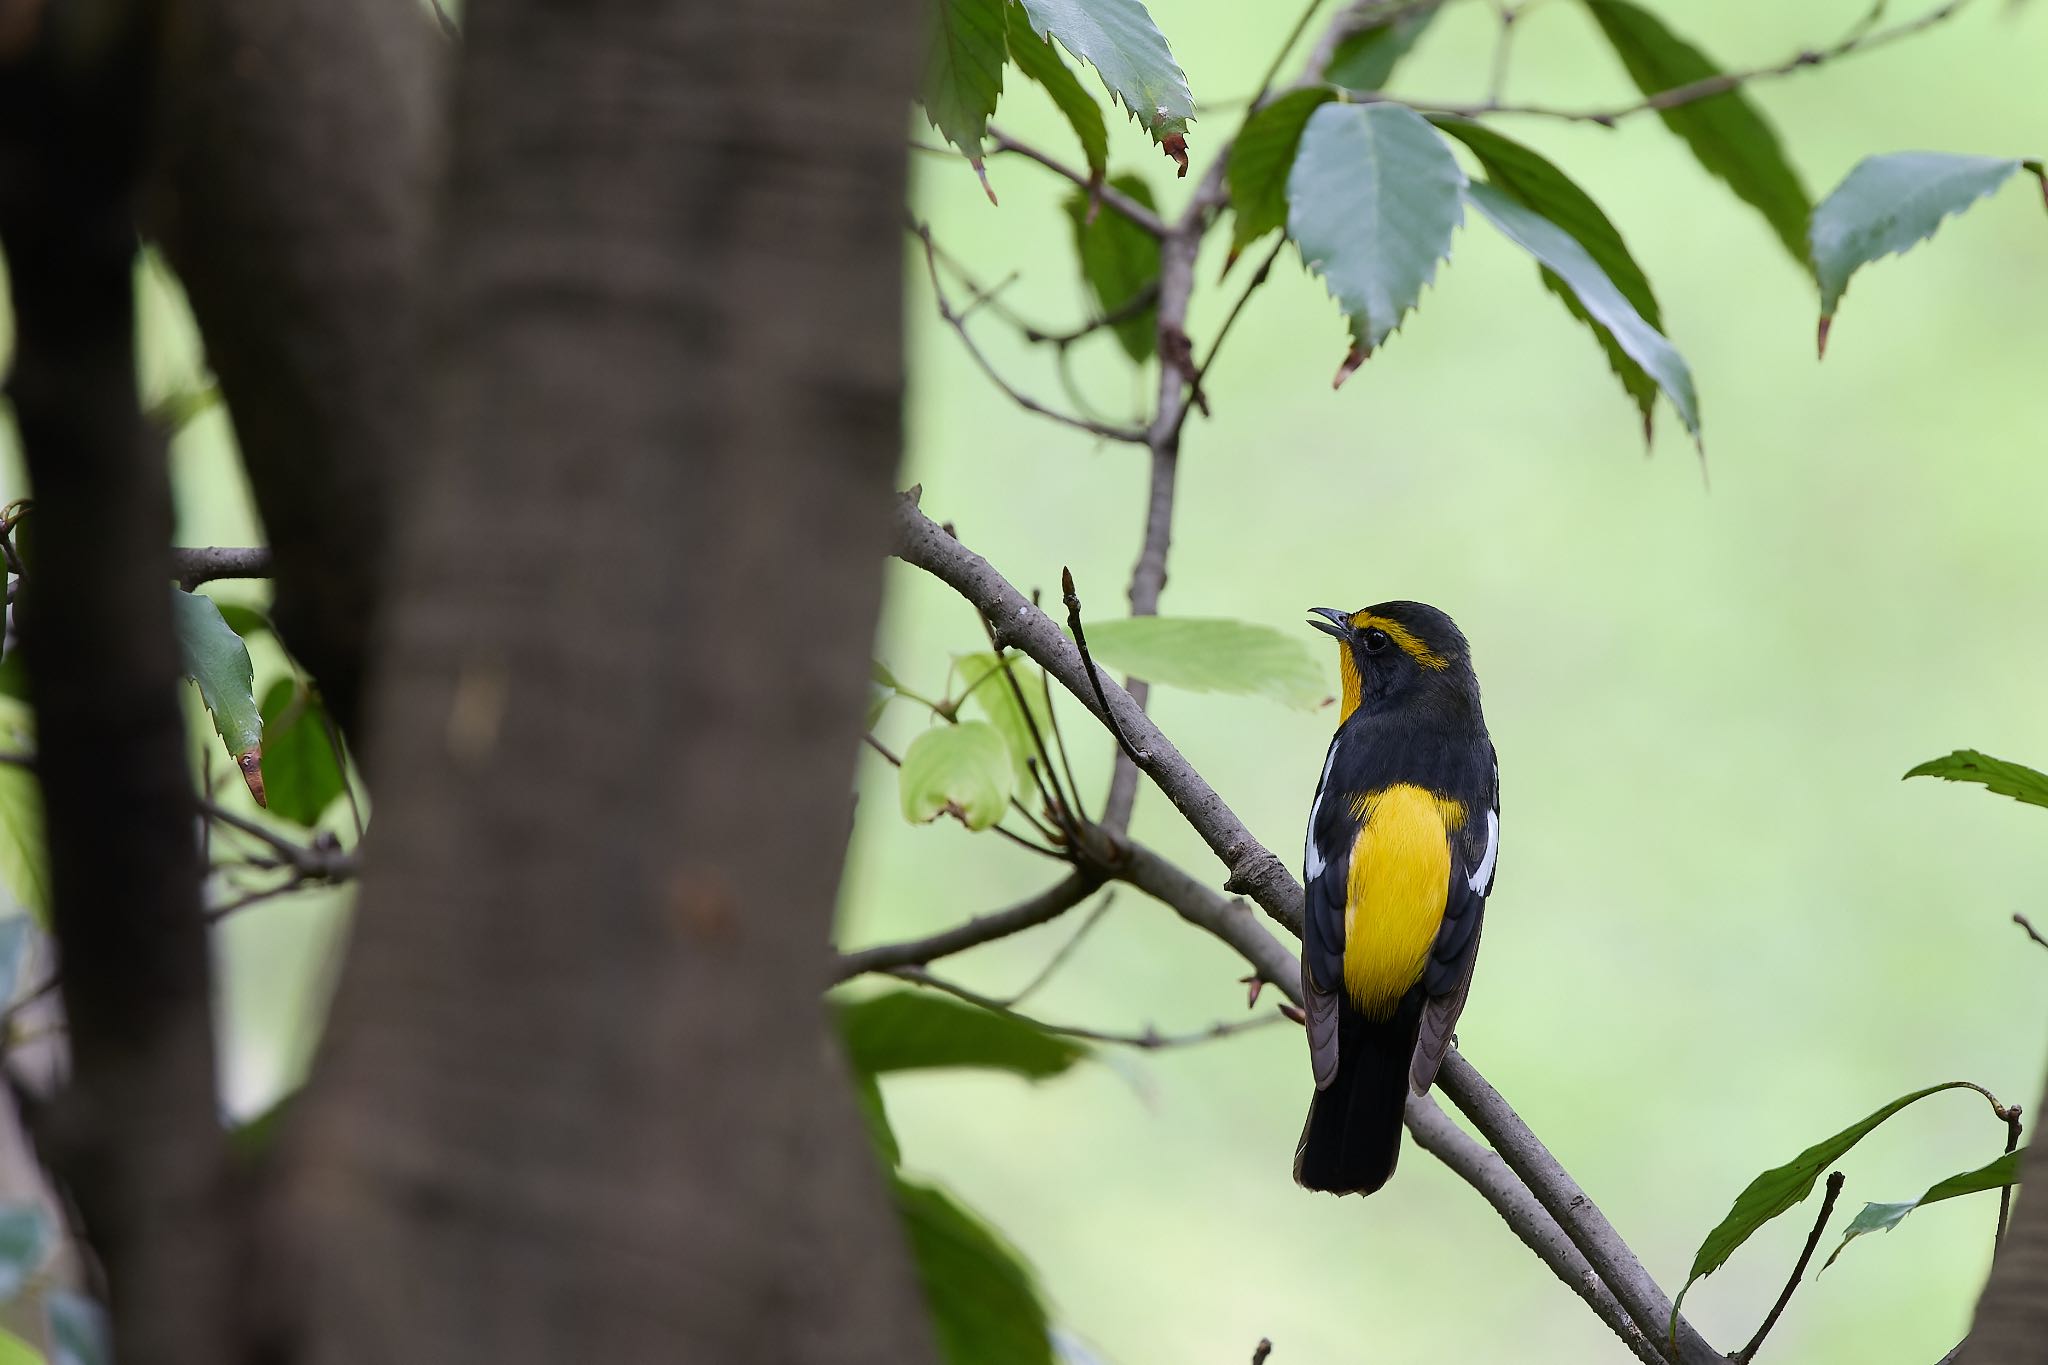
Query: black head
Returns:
{"type": "Point", "coordinates": [1400, 653]}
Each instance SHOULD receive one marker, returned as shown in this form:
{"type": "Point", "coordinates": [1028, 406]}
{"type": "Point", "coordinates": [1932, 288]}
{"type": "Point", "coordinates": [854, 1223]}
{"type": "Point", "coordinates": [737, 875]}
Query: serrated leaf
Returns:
{"type": "Point", "coordinates": [983, 684]}
{"type": "Point", "coordinates": [1782, 1188]}
{"type": "Point", "coordinates": [24, 1243]}
{"type": "Point", "coordinates": [1212, 654]}
{"type": "Point", "coordinates": [217, 660]}
{"type": "Point", "coordinates": [1364, 59]}
{"type": "Point", "coordinates": [1561, 253]}
{"type": "Point", "coordinates": [1728, 135]}
{"type": "Point", "coordinates": [1120, 261]}
{"type": "Point", "coordinates": [965, 767]}
{"type": "Point", "coordinates": [1372, 202]}
{"type": "Point", "coordinates": [1119, 39]}
{"type": "Point", "coordinates": [983, 1298]}
{"type": "Point", "coordinates": [2016, 780]}
{"type": "Point", "coordinates": [300, 775]}
{"type": "Point", "coordinates": [24, 856]}
{"type": "Point", "coordinates": [1993, 1175]}
{"type": "Point", "coordinates": [963, 70]}
{"type": "Point", "coordinates": [1260, 160]}
{"type": "Point", "coordinates": [79, 1331]}
{"type": "Point", "coordinates": [1888, 204]}
{"type": "Point", "coordinates": [1040, 61]}
{"type": "Point", "coordinates": [906, 1030]}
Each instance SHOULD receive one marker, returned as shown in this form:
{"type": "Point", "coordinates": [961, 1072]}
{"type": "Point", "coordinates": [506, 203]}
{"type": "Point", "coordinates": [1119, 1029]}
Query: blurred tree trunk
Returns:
{"type": "Point", "coordinates": [2011, 1325]}
{"type": "Point", "coordinates": [578, 1099]}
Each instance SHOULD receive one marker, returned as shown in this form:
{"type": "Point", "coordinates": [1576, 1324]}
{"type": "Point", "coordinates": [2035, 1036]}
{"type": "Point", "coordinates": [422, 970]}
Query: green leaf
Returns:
{"type": "Point", "coordinates": [15, 1351]}
{"type": "Point", "coordinates": [1529, 177]}
{"type": "Point", "coordinates": [984, 685]}
{"type": "Point", "coordinates": [2016, 780]}
{"type": "Point", "coordinates": [1038, 59]}
{"type": "Point", "coordinates": [1562, 254]}
{"type": "Point", "coordinates": [1888, 204]}
{"type": "Point", "coordinates": [880, 1132]}
{"type": "Point", "coordinates": [14, 675]}
{"type": "Point", "coordinates": [1728, 135]}
{"type": "Point", "coordinates": [1372, 202]}
{"type": "Point", "coordinates": [243, 620]}
{"type": "Point", "coordinates": [1260, 160]}
{"type": "Point", "coordinates": [24, 856]}
{"type": "Point", "coordinates": [878, 702]}
{"type": "Point", "coordinates": [964, 767]}
{"type": "Point", "coordinates": [1993, 1175]}
{"type": "Point", "coordinates": [1119, 260]}
{"type": "Point", "coordinates": [963, 70]}
{"type": "Point", "coordinates": [1206, 654]}
{"type": "Point", "coordinates": [984, 1300]}
{"type": "Point", "coordinates": [300, 775]}
{"type": "Point", "coordinates": [1782, 1188]}
{"type": "Point", "coordinates": [24, 1243]}
{"type": "Point", "coordinates": [1129, 52]}
{"type": "Point", "coordinates": [79, 1331]}
{"type": "Point", "coordinates": [1364, 59]}
{"type": "Point", "coordinates": [218, 661]}
{"type": "Point", "coordinates": [907, 1030]}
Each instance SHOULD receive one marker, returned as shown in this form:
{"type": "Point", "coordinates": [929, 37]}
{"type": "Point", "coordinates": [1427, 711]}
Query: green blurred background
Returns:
{"type": "Point", "coordinates": [1723, 928]}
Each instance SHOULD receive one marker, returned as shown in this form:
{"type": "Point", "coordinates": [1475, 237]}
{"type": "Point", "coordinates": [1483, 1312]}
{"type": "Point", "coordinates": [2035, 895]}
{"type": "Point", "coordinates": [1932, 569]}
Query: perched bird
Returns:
{"type": "Point", "coordinates": [1402, 840]}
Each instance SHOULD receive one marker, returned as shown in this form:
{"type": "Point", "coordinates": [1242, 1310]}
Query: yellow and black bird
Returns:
{"type": "Point", "coordinates": [1402, 841]}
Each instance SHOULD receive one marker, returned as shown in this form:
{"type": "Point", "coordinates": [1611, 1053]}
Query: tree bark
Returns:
{"type": "Point", "coordinates": [2011, 1325]}
{"type": "Point", "coordinates": [578, 1099]}
{"type": "Point", "coordinates": [293, 193]}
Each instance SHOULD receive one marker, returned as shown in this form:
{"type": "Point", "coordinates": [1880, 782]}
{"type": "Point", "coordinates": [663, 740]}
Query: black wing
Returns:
{"type": "Point", "coordinates": [1447, 975]}
{"type": "Point", "coordinates": [1326, 869]}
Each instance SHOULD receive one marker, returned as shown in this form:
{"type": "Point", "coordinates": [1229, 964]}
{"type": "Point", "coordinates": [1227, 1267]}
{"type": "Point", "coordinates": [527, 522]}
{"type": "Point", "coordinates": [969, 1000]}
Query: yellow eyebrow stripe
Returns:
{"type": "Point", "coordinates": [1410, 643]}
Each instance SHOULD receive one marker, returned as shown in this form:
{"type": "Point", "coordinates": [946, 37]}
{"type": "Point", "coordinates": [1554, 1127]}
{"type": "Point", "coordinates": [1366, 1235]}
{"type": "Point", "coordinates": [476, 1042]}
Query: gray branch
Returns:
{"type": "Point", "coordinates": [194, 565]}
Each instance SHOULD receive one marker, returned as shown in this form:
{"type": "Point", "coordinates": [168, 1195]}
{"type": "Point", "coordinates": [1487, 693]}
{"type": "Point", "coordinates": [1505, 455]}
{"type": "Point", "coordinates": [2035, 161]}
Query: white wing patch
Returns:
{"type": "Point", "coordinates": [1482, 875]}
{"type": "Point", "coordinates": [1311, 856]}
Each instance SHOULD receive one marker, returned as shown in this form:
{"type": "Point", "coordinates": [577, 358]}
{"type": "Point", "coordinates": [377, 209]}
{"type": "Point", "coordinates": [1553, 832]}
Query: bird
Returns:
{"type": "Point", "coordinates": [1403, 839]}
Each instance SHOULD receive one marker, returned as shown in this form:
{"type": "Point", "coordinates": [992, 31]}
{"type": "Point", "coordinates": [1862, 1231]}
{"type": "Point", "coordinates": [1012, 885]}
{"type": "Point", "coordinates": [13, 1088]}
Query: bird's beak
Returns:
{"type": "Point", "coordinates": [1335, 622]}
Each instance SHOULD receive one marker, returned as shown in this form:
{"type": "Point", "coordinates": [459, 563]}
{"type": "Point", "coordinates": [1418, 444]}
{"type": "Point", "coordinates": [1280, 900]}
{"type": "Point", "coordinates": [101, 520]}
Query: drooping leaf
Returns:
{"type": "Point", "coordinates": [908, 1030]}
{"type": "Point", "coordinates": [218, 661]}
{"type": "Point", "coordinates": [1260, 160]}
{"type": "Point", "coordinates": [984, 1300]}
{"type": "Point", "coordinates": [2016, 780]}
{"type": "Point", "coordinates": [1562, 254]}
{"type": "Point", "coordinates": [1782, 1188]}
{"type": "Point", "coordinates": [1365, 58]}
{"type": "Point", "coordinates": [24, 857]}
{"type": "Point", "coordinates": [1533, 179]}
{"type": "Point", "coordinates": [1120, 261]}
{"type": "Point", "coordinates": [984, 685]}
{"type": "Point", "coordinates": [1372, 202]}
{"type": "Point", "coordinates": [300, 775]}
{"type": "Point", "coordinates": [1038, 59]}
{"type": "Point", "coordinates": [79, 1331]}
{"type": "Point", "coordinates": [963, 70]}
{"type": "Point", "coordinates": [1993, 1175]}
{"type": "Point", "coordinates": [1210, 654]}
{"type": "Point", "coordinates": [1728, 135]}
{"type": "Point", "coordinates": [1131, 55]}
{"type": "Point", "coordinates": [24, 1243]}
{"type": "Point", "coordinates": [1888, 204]}
{"type": "Point", "coordinates": [963, 767]}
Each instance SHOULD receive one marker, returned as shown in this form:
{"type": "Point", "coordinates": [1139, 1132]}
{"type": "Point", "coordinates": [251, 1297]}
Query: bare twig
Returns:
{"type": "Point", "coordinates": [1503, 43]}
{"type": "Point", "coordinates": [1065, 951]}
{"type": "Point", "coordinates": [316, 862]}
{"type": "Point", "coordinates": [1308, 13]}
{"type": "Point", "coordinates": [1827, 1208]}
{"type": "Point", "coordinates": [1136, 306]}
{"type": "Point", "coordinates": [1252, 286]}
{"type": "Point", "coordinates": [1109, 196]}
{"type": "Point", "coordinates": [1094, 670]}
{"type": "Point", "coordinates": [1042, 908]}
{"type": "Point", "coordinates": [2012, 1141]}
{"type": "Point", "coordinates": [2035, 934]}
{"type": "Point", "coordinates": [923, 233]}
{"type": "Point", "coordinates": [1148, 1040]}
{"type": "Point", "coordinates": [1262, 1350]}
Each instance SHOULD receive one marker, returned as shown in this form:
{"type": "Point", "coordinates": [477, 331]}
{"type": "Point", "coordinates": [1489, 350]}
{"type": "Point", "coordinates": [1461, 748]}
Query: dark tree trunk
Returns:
{"type": "Point", "coordinates": [579, 1100]}
{"type": "Point", "coordinates": [2011, 1326]}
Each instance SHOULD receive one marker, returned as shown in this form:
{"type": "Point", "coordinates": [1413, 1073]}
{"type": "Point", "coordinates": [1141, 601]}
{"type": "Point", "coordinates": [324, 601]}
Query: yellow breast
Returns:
{"type": "Point", "coordinates": [1400, 876]}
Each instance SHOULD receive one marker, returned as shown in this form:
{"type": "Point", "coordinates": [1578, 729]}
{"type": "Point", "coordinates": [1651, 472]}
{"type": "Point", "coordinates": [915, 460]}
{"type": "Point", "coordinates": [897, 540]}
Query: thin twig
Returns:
{"type": "Point", "coordinates": [2012, 1141]}
{"type": "Point", "coordinates": [1149, 1040]}
{"type": "Point", "coordinates": [923, 233]}
{"type": "Point", "coordinates": [1262, 1350]}
{"type": "Point", "coordinates": [1503, 43]}
{"type": "Point", "coordinates": [1094, 670]}
{"type": "Point", "coordinates": [1109, 196]}
{"type": "Point", "coordinates": [310, 862]}
{"type": "Point", "coordinates": [896, 761]}
{"type": "Point", "coordinates": [220, 912]}
{"type": "Point", "coordinates": [1136, 306]}
{"type": "Point", "coordinates": [1042, 908]}
{"type": "Point", "coordinates": [1052, 716]}
{"type": "Point", "coordinates": [2023, 922]}
{"type": "Point", "coordinates": [1065, 951]}
{"type": "Point", "coordinates": [1041, 769]}
{"type": "Point", "coordinates": [1308, 14]}
{"type": "Point", "coordinates": [1258, 278]}
{"type": "Point", "coordinates": [1827, 1207]}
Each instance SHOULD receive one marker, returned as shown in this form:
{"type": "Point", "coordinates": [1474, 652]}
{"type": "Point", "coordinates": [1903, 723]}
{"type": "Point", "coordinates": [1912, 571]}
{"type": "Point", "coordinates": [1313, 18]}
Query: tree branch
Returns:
{"type": "Point", "coordinates": [1827, 1207]}
{"type": "Point", "coordinates": [1150, 1040]}
{"type": "Point", "coordinates": [1043, 908]}
{"type": "Point", "coordinates": [193, 565]}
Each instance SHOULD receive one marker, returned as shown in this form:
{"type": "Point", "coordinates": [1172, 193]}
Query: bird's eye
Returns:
{"type": "Point", "coordinates": [1376, 640]}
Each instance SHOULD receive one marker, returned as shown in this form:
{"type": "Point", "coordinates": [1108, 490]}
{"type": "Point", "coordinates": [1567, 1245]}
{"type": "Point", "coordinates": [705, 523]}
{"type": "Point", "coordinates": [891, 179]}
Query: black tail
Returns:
{"type": "Point", "coordinates": [1353, 1134]}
